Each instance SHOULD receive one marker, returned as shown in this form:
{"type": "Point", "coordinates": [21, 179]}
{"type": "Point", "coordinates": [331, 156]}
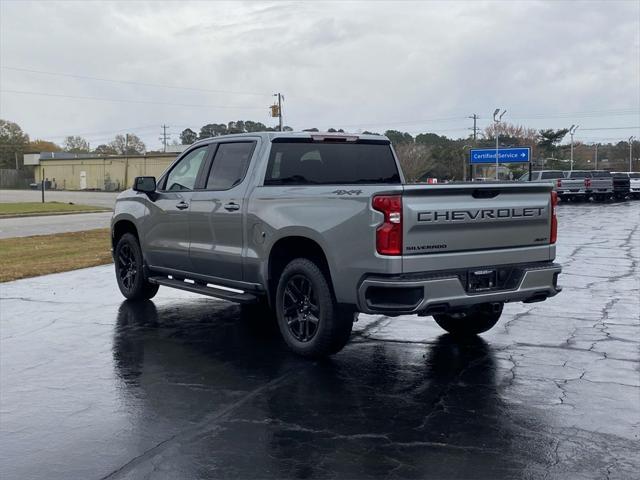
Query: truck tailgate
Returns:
{"type": "Point", "coordinates": [464, 219]}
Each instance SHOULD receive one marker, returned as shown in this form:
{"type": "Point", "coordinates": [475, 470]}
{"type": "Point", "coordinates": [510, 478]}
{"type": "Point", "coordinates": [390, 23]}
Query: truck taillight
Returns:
{"type": "Point", "coordinates": [554, 218]}
{"type": "Point", "coordinates": [389, 233]}
{"type": "Point", "coordinates": [559, 183]}
{"type": "Point", "coordinates": [587, 183]}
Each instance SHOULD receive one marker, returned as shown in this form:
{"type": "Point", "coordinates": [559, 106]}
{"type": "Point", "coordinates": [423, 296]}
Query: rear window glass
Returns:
{"type": "Point", "coordinates": [601, 174]}
{"type": "Point", "coordinates": [576, 174]}
{"type": "Point", "coordinates": [316, 163]}
{"type": "Point", "coordinates": [548, 175]}
{"type": "Point", "coordinates": [634, 175]}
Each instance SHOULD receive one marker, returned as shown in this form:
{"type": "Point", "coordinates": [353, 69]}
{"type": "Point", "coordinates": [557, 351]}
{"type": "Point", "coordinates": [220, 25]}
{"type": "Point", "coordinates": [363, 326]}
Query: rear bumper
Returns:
{"type": "Point", "coordinates": [444, 291]}
{"type": "Point", "coordinates": [576, 191]}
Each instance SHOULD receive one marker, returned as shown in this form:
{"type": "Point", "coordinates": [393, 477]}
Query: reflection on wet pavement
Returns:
{"type": "Point", "coordinates": [190, 387]}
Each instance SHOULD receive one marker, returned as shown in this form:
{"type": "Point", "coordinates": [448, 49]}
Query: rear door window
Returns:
{"type": "Point", "coordinates": [229, 165]}
{"type": "Point", "coordinates": [325, 163]}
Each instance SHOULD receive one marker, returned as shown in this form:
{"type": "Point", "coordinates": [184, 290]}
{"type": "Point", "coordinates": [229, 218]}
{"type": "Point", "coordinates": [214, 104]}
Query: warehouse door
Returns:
{"type": "Point", "coordinates": [83, 180]}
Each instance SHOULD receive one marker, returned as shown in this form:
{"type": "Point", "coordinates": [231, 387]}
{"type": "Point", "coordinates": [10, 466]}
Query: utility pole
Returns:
{"type": "Point", "coordinates": [630, 151]}
{"type": "Point", "coordinates": [497, 118]}
{"type": "Point", "coordinates": [126, 160]}
{"type": "Point", "coordinates": [464, 163]}
{"type": "Point", "coordinates": [475, 142]}
{"type": "Point", "coordinates": [572, 130]}
{"type": "Point", "coordinates": [597, 144]}
{"type": "Point", "coordinates": [164, 136]}
{"type": "Point", "coordinates": [276, 110]}
{"type": "Point", "coordinates": [475, 128]}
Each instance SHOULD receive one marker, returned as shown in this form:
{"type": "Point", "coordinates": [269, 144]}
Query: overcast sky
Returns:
{"type": "Point", "coordinates": [411, 66]}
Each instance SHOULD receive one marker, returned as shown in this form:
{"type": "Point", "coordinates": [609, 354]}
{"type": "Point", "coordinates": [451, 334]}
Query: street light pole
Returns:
{"type": "Point", "coordinates": [496, 119]}
{"type": "Point", "coordinates": [630, 150]}
{"type": "Point", "coordinates": [572, 130]}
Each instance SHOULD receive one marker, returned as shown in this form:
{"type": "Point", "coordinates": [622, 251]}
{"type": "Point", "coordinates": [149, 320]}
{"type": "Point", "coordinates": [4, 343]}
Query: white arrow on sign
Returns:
{"type": "Point", "coordinates": [523, 155]}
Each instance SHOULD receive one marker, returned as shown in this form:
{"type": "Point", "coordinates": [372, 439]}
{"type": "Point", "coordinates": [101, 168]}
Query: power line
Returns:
{"type": "Point", "coordinates": [586, 114]}
{"type": "Point", "coordinates": [144, 102]}
{"type": "Point", "coordinates": [414, 122]}
{"type": "Point", "coordinates": [610, 128]}
{"type": "Point", "coordinates": [103, 132]}
{"type": "Point", "coordinates": [130, 82]}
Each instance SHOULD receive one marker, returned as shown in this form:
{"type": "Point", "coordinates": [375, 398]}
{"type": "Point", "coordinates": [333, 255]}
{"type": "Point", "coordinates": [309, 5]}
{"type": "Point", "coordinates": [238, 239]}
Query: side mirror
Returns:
{"type": "Point", "coordinates": [145, 184]}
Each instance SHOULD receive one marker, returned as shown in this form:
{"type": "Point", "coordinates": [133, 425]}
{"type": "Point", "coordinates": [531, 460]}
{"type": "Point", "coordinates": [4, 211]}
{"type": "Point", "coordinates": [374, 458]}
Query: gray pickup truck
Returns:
{"type": "Point", "coordinates": [575, 186]}
{"type": "Point", "coordinates": [318, 227]}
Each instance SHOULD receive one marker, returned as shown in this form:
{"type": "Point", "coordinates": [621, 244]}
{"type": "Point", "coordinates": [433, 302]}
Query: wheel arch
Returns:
{"type": "Point", "coordinates": [120, 228]}
{"type": "Point", "coordinates": [288, 248]}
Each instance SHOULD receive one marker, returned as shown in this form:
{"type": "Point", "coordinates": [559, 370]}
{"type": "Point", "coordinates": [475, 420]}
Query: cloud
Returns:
{"type": "Point", "coordinates": [417, 66]}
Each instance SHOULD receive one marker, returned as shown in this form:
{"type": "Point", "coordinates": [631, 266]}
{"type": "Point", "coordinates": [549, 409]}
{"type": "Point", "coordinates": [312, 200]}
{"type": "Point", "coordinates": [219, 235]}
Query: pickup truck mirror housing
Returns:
{"type": "Point", "coordinates": [145, 184]}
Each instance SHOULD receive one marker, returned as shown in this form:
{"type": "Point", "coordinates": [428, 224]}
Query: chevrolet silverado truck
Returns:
{"type": "Point", "coordinates": [600, 183]}
{"type": "Point", "coordinates": [634, 182]}
{"type": "Point", "coordinates": [621, 185]}
{"type": "Point", "coordinates": [315, 228]}
{"type": "Point", "coordinates": [575, 186]}
{"type": "Point", "coordinates": [543, 176]}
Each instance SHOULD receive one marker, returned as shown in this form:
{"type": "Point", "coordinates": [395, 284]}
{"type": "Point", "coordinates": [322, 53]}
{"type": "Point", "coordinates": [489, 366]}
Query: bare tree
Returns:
{"type": "Point", "coordinates": [128, 146]}
{"type": "Point", "coordinates": [76, 144]}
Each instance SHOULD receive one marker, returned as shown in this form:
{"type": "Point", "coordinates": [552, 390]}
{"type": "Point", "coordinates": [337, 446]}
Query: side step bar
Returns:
{"type": "Point", "coordinates": [238, 297]}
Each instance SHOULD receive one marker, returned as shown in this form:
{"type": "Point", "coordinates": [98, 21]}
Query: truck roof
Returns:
{"type": "Point", "coordinates": [320, 136]}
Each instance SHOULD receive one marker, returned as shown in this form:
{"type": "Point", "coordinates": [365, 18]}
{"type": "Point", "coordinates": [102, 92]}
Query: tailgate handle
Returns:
{"type": "Point", "coordinates": [485, 193]}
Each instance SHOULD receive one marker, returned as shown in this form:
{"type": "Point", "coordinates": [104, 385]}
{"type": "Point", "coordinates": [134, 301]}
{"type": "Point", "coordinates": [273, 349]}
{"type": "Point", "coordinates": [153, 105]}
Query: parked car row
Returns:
{"type": "Point", "coordinates": [580, 185]}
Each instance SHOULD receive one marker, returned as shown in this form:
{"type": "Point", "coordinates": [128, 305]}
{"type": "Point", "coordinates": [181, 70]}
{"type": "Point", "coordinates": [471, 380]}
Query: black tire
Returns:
{"type": "Point", "coordinates": [476, 319]}
{"type": "Point", "coordinates": [309, 319]}
{"type": "Point", "coordinates": [130, 271]}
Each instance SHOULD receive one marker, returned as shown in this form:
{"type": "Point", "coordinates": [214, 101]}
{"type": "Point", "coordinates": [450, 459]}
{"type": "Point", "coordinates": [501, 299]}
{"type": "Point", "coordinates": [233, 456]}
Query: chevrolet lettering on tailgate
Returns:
{"type": "Point", "coordinates": [439, 216]}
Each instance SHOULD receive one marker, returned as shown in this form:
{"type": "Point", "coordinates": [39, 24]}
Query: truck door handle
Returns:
{"type": "Point", "coordinates": [231, 206]}
{"type": "Point", "coordinates": [182, 205]}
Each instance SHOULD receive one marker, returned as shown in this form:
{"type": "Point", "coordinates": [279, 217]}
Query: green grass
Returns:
{"type": "Point", "coordinates": [25, 257]}
{"type": "Point", "coordinates": [48, 208]}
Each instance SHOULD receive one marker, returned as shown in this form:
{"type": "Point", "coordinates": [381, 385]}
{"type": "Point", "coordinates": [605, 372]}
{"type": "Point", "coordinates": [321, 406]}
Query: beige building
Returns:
{"type": "Point", "coordinates": [91, 172]}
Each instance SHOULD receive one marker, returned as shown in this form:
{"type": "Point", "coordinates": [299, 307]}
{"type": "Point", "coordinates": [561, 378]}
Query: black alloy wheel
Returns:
{"type": "Point", "coordinates": [130, 274]}
{"type": "Point", "coordinates": [312, 324]}
{"type": "Point", "coordinates": [301, 309]}
{"type": "Point", "coordinates": [127, 268]}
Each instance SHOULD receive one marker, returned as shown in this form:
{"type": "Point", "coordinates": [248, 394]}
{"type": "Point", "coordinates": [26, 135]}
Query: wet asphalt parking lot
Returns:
{"type": "Point", "coordinates": [92, 387]}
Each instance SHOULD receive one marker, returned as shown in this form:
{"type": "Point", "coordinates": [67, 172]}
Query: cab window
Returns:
{"type": "Point", "coordinates": [229, 165]}
{"type": "Point", "coordinates": [551, 175]}
{"type": "Point", "coordinates": [182, 176]}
